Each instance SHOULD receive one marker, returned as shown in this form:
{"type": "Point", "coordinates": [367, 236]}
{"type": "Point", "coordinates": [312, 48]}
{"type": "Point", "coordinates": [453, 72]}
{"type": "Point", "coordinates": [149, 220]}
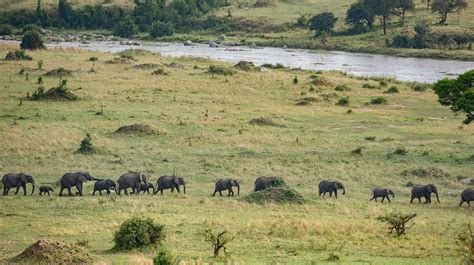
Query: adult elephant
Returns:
{"type": "Point", "coordinates": [425, 191]}
{"type": "Point", "coordinates": [264, 182]}
{"type": "Point", "coordinates": [226, 184]}
{"type": "Point", "coordinates": [76, 179]}
{"type": "Point", "coordinates": [131, 180]}
{"type": "Point", "coordinates": [467, 196]}
{"type": "Point", "coordinates": [330, 186]}
{"type": "Point", "coordinates": [17, 180]}
{"type": "Point", "coordinates": [169, 182]}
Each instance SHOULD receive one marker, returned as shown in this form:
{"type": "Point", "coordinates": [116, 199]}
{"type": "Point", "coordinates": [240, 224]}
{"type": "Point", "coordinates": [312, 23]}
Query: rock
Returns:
{"type": "Point", "coordinates": [189, 43]}
{"type": "Point", "coordinates": [466, 181]}
{"type": "Point", "coordinates": [46, 32]}
{"type": "Point", "coordinates": [213, 44]}
{"type": "Point", "coordinates": [453, 193]}
{"type": "Point", "coordinates": [221, 37]}
{"type": "Point", "coordinates": [253, 45]}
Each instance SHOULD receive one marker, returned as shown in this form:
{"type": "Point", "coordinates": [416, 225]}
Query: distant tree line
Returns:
{"type": "Point", "coordinates": [154, 16]}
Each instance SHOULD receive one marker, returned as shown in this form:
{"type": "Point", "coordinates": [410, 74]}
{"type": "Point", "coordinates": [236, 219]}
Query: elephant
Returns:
{"type": "Point", "coordinates": [76, 179]}
{"type": "Point", "coordinates": [226, 184]}
{"type": "Point", "coordinates": [45, 190]}
{"type": "Point", "coordinates": [169, 182]}
{"type": "Point", "coordinates": [146, 188]}
{"type": "Point", "coordinates": [106, 185]}
{"type": "Point", "coordinates": [131, 180]}
{"type": "Point", "coordinates": [17, 180]}
{"type": "Point", "coordinates": [330, 186]}
{"type": "Point", "coordinates": [467, 196]}
{"type": "Point", "coordinates": [420, 191]}
{"type": "Point", "coordinates": [384, 193]}
{"type": "Point", "coordinates": [264, 182]}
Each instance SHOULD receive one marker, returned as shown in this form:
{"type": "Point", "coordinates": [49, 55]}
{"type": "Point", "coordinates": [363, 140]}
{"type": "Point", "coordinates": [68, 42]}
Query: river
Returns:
{"type": "Point", "coordinates": [359, 64]}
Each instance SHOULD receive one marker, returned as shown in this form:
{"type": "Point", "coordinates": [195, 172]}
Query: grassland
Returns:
{"type": "Point", "coordinates": [269, 26]}
{"type": "Point", "coordinates": [40, 137]}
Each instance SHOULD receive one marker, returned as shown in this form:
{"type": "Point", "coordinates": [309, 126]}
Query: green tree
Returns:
{"type": "Point", "coordinates": [444, 7]}
{"type": "Point", "coordinates": [126, 28]}
{"type": "Point", "coordinates": [402, 7]}
{"type": "Point", "coordinates": [381, 8]}
{"type": "Point", "coordinates": [358, 14]}
{"type": "Point", "coordinates": [32, 40]}
{"type": "Point", "coordinates": [65, 13]}
{"type": "Point", "coordinates": [160, 29]}
{"type": "Point", "coordinates": [323, 22]}
{"type": "Point", "coordinates": [458, 94]}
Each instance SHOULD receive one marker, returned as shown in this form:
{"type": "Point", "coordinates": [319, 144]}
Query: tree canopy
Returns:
{"type": "Point", "coordinates": [444, 7]}
{"type": "Point", "coordinates": [323, 22]}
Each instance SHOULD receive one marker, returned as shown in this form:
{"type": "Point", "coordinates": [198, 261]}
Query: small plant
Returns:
{"type": "Point", "coordinates": [138, 233]}
{"type": "Point", "coordinates": [383, 83]}
{"type": "Point", "coordinates": [357, 151]}
{"type": "Point", "coordinates": [419, 87]}
{"type": "Point", "coordinates": [163, 257]}
{"type": "Point", "coordinates": [342, 88]}
{"type": "Point", "coordinates": [343, 101]}
{"type": "Point", "coordinates": [295, 80]}
{"type": "Point", "coordinates": [18, 55]}
{"type": "Point", "coordinates": [369, 86]}
{"type": "Point", "coordinates": [218, 240]}
{"type": "Point", "coordinates": [392, 90]}
{"type": "Point", "coordinates": [400, 151]}
{"type": "Point", "coordinates": [40, 64]}
{"type": "Point", "coordinates": [40, 80]}
{"type": "Point", "coordinates": [378, 101]}
{"type": "Point", "coordinates": [332, 257]}
{"type": "Point", "coordinates": [86, 146]}
{"type": "Point", "coordinates": [370, 138]}
{"type": "Point", "coordinates": [397, 222]}
{"type": "Point", "coordinates": [93, 59]}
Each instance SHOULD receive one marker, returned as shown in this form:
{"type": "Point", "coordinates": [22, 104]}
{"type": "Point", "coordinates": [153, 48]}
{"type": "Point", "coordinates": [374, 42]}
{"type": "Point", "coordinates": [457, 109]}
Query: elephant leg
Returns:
{"type": "Point", "coordinates": [17, 189]}
{"type": "Point", "coordinates": [69, 191]}
{"type": "Point", "coordinates": [419, 200]}
{"type": "Point", "coordinates": [373, 197]}
{"type": "Point", "coordinates": [460, 203]}
{"type": "Point", "coordinates": [172, 189]}
{"type": "Point", "coordinates": [48, 194]}
{"type": "Point", "coordinates": [108, 191]}
{"type": "Point", "coordinates": [412, 198]}
{"type": "Point", "coordinates": [214, 194]}
{"type": "Point", "coordinates": [220, 193]}
{"type": "Point", "coordinates": [61, 191]}
{"type": "Point", "coordinates": [79, 188]}
{"type": "Point", "coordinates": [126, 192]}
{"type": "Point", "coordinates": [5, 190]}
{"type": "Point", "coordinates": [40, 193]}
{"type": "Point", "coordinates": [161, 191]}
{"type": "Point", "coordinates": [93, 193]}
{"type": "Point", "coordinates": [335, 193]}
{"type": "Point", "coordinates": [383, 198]}
{"type": "Point", "coordinates": [469, 203]}
{"type": "Point", "coordinates": [388, 199]}
{"type": "Point", "coordinates": [24, 189]}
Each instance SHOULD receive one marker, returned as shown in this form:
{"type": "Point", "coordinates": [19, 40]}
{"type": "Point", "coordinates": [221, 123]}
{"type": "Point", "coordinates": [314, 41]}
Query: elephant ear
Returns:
{"type": "Point", "coordinates": [24, 178]}
{"type": "Point", "coordinates": [429, 188]}
{"type": "Point", "coordinates": [81, 178]}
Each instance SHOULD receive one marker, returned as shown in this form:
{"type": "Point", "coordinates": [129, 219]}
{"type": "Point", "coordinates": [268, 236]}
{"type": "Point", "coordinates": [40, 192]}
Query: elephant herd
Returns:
{"type": "Point", "coordinates": [138, 182]}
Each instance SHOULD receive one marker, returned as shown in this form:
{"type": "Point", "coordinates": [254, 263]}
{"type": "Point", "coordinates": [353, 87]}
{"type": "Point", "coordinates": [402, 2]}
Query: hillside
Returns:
{"type": "Point", "coordinates": [203, 132]}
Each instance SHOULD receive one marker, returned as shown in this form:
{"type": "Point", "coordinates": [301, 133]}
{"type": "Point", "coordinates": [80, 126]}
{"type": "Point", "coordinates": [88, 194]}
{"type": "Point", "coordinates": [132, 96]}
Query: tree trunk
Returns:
{"type": "Point", "coordinates": [384, 25]}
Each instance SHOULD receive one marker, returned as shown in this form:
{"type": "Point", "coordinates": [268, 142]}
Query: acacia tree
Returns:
{"type": "Point", "coordinates": [458, 94]}
{"type": "Point", "coordinates": [444, 7]}
{"type": "Point", "coordinates": [323, 22]}
{"type": "Point", "coordinates": [358, 16]}
{"type": "Point", "coordinates": [402, 7]}
{"type": "Point", "coordinates": [381, 8]}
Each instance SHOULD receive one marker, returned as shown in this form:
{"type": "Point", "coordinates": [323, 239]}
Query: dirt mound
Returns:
{"type": "Point", "coordinates": [426, 172]}
{"type": "Point", "coordinates": [281, 194]}
{"type": "Point", "coordinates": [59, 72]}
{"type": "Point", "coordinates": [55, 93]}
{"type": "Point", "coordinates": [47, 251]}
{"type": "Point", "coordinates": [264, 121]}
{"type": "Point", "coordinates": [119, 60]}
{"type": "Point", "coordinates": [247, 66]}
{"type": "Point", "coordinates": [142, 129]}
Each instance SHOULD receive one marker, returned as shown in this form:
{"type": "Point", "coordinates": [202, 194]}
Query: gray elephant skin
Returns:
{"type": "Point", "coordinates": [264, 182]}
{"type": "Point", "coordinates": [106, 185]}
{"type": "Point", "coordinates": [131, 180]}
{"type": "Point", "coordinates": [330, 186]}
{"type": "Point", "coordinates": [424, 191]}
{"type": "Point", "coordinates": [45, 190]}
{"type": "Point", "coordinates": [146, 188]}
{"type": "Point", "coordinates": [467, 196]}
{"type": "Point", "coordinates": [384, 193]}
{"type": "Point", "coordinates": [17, 180]}
{"type": "Point", "coordinates": [226, 184]}
{"type": "Point", "coordinates": [169, 182]}
{"type": "Point", "coordinates": [76, 179]}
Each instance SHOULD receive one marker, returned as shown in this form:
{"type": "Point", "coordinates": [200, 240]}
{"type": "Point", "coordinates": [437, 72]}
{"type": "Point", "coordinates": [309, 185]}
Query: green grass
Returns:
{"type": "Point", "coordinates": [41, 137]}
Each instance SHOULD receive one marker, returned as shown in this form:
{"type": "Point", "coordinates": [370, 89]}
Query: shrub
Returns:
{"type": "Point", "coordinates": [419, 87]}
{"type": "Point", "coordinates": [357, 151]}
{"type": "Point", "coordinates": [218, 240]}
{"type": "Point", "coordinates": [163, 257]}
{"type": "Point", "coordinates": [392, 90]}
{"type": "Point", "coordinates": [86, 146]}
{"type": "Point", "coordinates": [369, 86]}
{"type": "Point", "coordinates": [343, 101]}
{"type": "Point", "coordinates": [342, 88]}
{"type": "Point", "coordinates": [383, 83]}
{"type": "Point", "coordinates": [401, 41]}
{"type": "Point", "coordinates": [220, 70]}
{"type": "Point", "coordinates": [160, 29]}
{"type": "Point", "coordinates": [398, 222]}
{"type": "Point", "coordinates": [273, 66]}
{"type": "Point", "coordinates": [378, 101]}
{"type": "Point", "coordinates": [138, 233]}
{"type": "Point", "coordinates": [295, 80]}
{"type": "Point", "coordinates": [400, 151]}
{"type": "Point", "coordinates": [93, 59]}
{"type": "Point", "coordinates": [32, 40]}
{"type": "Point", "coordinates": [18, 55]}
{"type": "Point", "coordinates": [55, 93]}
{"type": "Point", "coordinates": [280, 194]}
{"type": "Point", "coordinates": [159, 71]}
{"type": "Point", "coordinates": [6, 29]}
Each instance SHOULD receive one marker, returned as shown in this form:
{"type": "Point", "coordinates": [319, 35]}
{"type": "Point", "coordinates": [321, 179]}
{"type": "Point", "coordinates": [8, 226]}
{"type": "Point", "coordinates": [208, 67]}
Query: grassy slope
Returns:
{"type": "Point", "coordinates": [206, 149]}
{"type": "Point", "coordinates": [288, 11]}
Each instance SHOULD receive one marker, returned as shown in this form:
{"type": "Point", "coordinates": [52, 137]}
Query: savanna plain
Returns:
{"type": "Point", "coordinates": [202, 132]}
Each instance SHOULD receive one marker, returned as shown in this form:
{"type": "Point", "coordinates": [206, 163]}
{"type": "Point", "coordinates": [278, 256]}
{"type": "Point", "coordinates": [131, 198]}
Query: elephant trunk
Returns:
{"type": "Point", "coordinates": [184, 189]}
{"type": "Point", "coordinates": [238, 189]}
{"type": "Point", "coordinates": [33, 189]}
{"type": "Point", "coordinates": [343, 191]}
{"type": "Point", "coordinates": [437, 198]}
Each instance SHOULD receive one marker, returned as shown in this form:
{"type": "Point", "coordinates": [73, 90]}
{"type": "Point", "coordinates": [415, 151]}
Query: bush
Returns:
{"type": "Point", "coordinates": [163, 257]}
{"type": "Point", "coordinates": [281, 194]}
{"type": "Point", "coordinates": [220, 70]}
{"type": "Point", "coordinates": [369, 86]}
{"type": "Point", "coordinates": [419, 87]}
{"type": "Point", "coordinates": [401, 41]}
{"type": "Point", "coordinates": [342, 88]}
{"type": "Point", "coordinates": [32, 40]}
{"type": "Point", "coordinates": [398, 222]}
{"type": "Point", "coordinates": [343, 101]}
{"type": "Point", "coordinates": [400, 151]}
{"type": "Point", "coordinates": [273, 66]}
{"type": "Point", "coordinates": [138, 233]}
{"type": "Point", "coordinates": [86, 146]}
{"type": "Point", "coordinates": [6, 29]}
{"type": "Point", "coordinates": [125, 28]}
{"type": "Point", "coordinates": [160, 29]}
{"type": "Point", "coordinates": [18, 55]}
{"type": "Point", "coordinates": [392, 90]}
{"type": "Point", "coordinates": [378, 101]}
{"type": "Point", "coordinates": [218, 240]}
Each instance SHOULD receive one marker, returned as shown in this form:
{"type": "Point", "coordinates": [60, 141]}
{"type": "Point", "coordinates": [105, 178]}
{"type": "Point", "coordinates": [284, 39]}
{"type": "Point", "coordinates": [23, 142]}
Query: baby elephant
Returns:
{"type": "Point", "coordinates": [226, 184]}
{"type": "Point", "coordinates": [106, 185]}
{"type": "Point", "coordinates": [45, 190]}
{"type": "Point", "coordinates": [146, 187]}
{"type": "Point", "coordinates": [376, 193]}
{"type": "Point", "coordinates": [467, 196]}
